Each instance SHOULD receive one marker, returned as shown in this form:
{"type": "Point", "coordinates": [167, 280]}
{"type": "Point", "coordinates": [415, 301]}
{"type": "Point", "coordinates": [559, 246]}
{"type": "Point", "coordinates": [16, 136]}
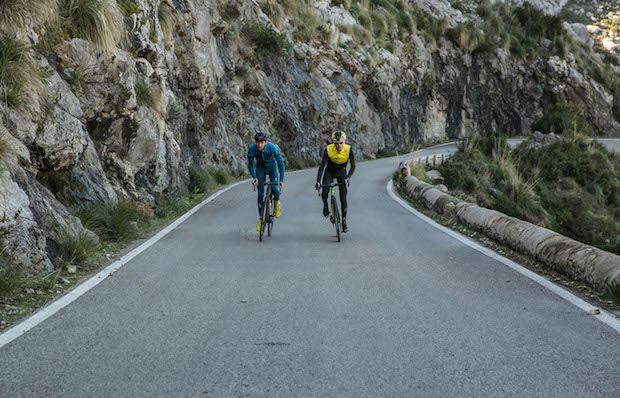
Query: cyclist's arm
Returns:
{"type": "Point", "coordinates": [251, 157]}
{"type": "Point", "coordinates": [352, 160]}
{"type": "Point", "coordinates": [280, 163]}
{"type": "Point", "coordinates": [322, 166]}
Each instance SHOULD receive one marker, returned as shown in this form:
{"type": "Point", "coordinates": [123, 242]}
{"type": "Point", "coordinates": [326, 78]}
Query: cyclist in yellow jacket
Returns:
{"type": "Point", "coordinates": [334, 163]}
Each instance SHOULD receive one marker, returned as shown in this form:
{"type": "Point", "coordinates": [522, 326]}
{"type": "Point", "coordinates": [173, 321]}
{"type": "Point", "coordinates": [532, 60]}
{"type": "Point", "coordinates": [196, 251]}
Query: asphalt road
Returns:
{"type": "Point", "coordinates": [397, 309]}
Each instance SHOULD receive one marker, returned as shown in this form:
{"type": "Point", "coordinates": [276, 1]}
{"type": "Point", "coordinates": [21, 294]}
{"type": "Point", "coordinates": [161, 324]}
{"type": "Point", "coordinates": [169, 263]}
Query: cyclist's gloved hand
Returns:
{"type": "Point", "coordinates": [317, 186]}
{"type": "Point", "coordinates": [255, 182]}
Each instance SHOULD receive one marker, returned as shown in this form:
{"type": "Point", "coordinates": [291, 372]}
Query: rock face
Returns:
{"type": "Point", "coordinates": [129, 123]}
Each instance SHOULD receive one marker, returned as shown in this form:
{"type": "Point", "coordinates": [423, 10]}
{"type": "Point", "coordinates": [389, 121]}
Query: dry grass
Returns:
{"type": "Point", "coordinates": [98, 21]}
{"type": "Point", "coordinates": [17, 13]}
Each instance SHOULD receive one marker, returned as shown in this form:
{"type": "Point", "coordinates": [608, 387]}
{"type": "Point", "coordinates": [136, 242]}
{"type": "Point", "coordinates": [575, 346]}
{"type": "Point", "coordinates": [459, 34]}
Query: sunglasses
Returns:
{"type": "Point", "coordinates": [339, 142]}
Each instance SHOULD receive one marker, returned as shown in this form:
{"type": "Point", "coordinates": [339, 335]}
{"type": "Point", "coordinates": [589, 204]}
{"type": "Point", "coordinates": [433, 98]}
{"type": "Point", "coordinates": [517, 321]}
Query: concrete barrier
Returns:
{"type": "Point", "coordinates": [595, 267]}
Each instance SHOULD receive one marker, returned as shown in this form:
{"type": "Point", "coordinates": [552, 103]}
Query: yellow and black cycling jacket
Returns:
{"type": "Point", "coordinates": [335, 163]}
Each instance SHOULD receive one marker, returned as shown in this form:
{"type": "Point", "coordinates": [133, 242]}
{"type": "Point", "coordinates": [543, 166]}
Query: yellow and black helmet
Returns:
{"type": "Point", "coordinates": [338, 136]}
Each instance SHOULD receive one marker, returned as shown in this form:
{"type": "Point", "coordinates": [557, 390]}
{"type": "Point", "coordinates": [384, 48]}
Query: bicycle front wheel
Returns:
{"type": "Point", "coordinates": [336, 217]}
{"type": "Point", "coordinates": [264, 219]}
{"type": "Point", "coordinates": [272, 216]}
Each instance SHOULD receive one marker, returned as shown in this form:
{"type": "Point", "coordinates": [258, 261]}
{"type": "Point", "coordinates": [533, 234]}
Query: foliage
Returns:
{"type": "Point", "coordinates": [167, 19]}
{"type": "Point", "coordinates": [266, 41]}
{"type": "Point", "coordinates": [5, 147]}
{"type": "Point", "coordinates": [98, 21]}
{"type": "Point", "coordinates": [78, 248]}
{"type": "Point", "coordinates": [19, 75]}
{"type": "Point", "coordinates": [571, 186]}
{"type": "Point", "coordinates": [560, 119]}
{"type": "Point", "coordinates": [520, 30]}
{"type": "Point", "coordinates": [17, 13]}
{"type": "Point", "coordinates": [172, 205]}
{"type": "Point", "coordinates": [148, 96]}
{"type": "Point", "coordinates": [129, 6]}
{"type": "Point", "coordinates": [201, 180]}
{"type": "Point", "coordinates": [113, 221]}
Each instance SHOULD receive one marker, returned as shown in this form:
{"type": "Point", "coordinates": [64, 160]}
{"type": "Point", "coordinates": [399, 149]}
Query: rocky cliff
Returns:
{"type": "Point", "coordinates": [125, 112]}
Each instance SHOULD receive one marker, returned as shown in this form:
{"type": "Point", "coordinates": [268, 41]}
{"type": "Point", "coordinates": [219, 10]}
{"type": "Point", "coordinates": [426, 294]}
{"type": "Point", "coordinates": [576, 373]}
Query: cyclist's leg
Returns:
{"type": "Point", "coordinates": [327, 179]}
{"type": "Point", "coordinates": [260, 175]}
{"type": "Point", "coordinates": [343, 195]}
{"type": "Point", "coordinates": [273, 177]}
{"type": "Point", "coordinates": [275, 190]}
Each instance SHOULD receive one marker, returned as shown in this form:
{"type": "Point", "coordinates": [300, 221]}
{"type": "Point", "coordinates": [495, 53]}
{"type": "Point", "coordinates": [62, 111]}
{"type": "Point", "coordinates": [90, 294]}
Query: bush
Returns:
{"type": "Point", "coordinates": [200, 180]}
{"type": "Point", "coordinates": [266, 41]}
{"type": "Point", "coordinates": [98, 21]}
{"type": "Point", "coordinates": [560, 119]}
{"type": "Point", "coordinates": [172, 206]}
{"type": "Point", "coordinates": [10, 280]}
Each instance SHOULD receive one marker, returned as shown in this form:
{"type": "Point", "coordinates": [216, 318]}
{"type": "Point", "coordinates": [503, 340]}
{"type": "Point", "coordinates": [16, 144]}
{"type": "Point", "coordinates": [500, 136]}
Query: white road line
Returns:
{"type": "Point", "coordinates": [70, 297]}
{"type": "Point", "coordinates": [604, 316]}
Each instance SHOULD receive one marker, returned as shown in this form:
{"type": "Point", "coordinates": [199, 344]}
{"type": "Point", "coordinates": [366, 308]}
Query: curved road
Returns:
{"type": "Point", "coordinates": [398, 309]}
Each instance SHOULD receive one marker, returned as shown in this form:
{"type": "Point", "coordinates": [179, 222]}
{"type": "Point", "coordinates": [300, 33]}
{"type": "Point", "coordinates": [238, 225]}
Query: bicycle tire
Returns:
{"type": "Point", "coordinates": [272, 216]}
{"type": "Point", "coordinates": [336, 217]}
{"type": "Point", "coordinates": [263, 218]}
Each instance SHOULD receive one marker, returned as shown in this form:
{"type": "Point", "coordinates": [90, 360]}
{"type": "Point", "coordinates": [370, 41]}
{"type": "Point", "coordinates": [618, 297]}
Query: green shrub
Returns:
{"type": "Point", "coordinates": [98, 21]}
{"type": "Point", "coordinates": [19, 76]}
{"type": "Point", "coordinates": [222, 177]}
{"type": "Point", "coordinates": [5, 147]}
{"type": "Point", "coordinates": [614, 292]}
{"type": "Point", "coordinates": [116, 221]}
{"type": "Point", "coordinates": [266, 41]}
{"type": "Point", "coordinates": [560, 119]}
{"type": "Point", "coordinates": [200, 180]}
{"type": "Point", "coordinates": [10, 280]}
{"type": "Point", "coordinates": [172, 206]}
{"type": "Point", "coordinates": [129, 6]}
{"type": "Point", "coordinates": [78, 248]}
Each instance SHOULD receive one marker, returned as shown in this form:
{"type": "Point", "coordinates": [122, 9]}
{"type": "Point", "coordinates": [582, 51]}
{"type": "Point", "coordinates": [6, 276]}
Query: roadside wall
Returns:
{"type": "Point", "coordinates": [595, 267]}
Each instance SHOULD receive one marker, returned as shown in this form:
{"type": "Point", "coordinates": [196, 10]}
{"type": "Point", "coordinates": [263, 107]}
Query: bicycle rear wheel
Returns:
{"type": "Point", "coordinates": [336, 217]}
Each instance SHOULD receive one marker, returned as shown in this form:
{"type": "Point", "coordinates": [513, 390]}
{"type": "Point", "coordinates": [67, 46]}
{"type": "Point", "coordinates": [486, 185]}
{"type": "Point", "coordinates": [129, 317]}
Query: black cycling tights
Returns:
{"type": "Point", "coordinates": [327, 179]}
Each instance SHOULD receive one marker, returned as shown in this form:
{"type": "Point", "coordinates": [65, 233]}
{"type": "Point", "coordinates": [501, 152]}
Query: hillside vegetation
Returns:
{"type": "Point", "coordinates": [569, 185]}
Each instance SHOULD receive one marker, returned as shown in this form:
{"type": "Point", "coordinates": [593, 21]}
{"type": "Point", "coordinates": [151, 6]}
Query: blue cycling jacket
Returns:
{"type": "Point", "coordinates": [267, 159]}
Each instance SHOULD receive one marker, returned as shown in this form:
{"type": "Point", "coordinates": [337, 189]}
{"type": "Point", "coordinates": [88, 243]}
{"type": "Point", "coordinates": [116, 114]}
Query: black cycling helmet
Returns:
{"type": "Point", "coordinates": [260, 136]}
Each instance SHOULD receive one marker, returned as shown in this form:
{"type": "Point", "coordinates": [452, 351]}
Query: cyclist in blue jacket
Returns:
{"type": "Point", "coordinates": [268, 162]}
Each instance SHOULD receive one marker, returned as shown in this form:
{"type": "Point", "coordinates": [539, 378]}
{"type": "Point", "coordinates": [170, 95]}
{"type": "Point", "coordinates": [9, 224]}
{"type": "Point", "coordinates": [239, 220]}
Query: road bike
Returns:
{"type": "Point", "coordinates": [334, 213]}
{"type": "Point", "coordinates": [268, 212]}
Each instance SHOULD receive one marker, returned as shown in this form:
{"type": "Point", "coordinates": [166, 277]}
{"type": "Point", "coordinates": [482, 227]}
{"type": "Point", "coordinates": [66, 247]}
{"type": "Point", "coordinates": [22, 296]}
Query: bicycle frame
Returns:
{"type": "Point", "coordinates": [335, 214]}
{"type": "Point", "coordinates": [268, 211]}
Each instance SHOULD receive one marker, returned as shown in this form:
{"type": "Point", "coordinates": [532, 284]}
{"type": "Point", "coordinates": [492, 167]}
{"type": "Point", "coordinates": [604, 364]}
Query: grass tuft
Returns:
{"type": "Point", "coordinates": [15, 14]}
{"type": "Point", "coordinates": [19, 76]}
{"type": "Point", "coordinates": [113, 221]}
{"type": "Point", "coordinates": [77, 249]}
{"type": "Point", "coordinates": [167, 19]}
{"type": "Point", "coordinates": [98, 21]}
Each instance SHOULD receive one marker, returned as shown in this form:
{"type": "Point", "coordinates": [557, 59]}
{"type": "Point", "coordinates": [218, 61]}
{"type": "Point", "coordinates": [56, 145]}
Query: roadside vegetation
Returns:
{"type": "Point", "coordinates": [114, 227]}
{"type": "Point", "coordinates": [570, 185]}
{"type": "Point", "coordinates": [20, 77]}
